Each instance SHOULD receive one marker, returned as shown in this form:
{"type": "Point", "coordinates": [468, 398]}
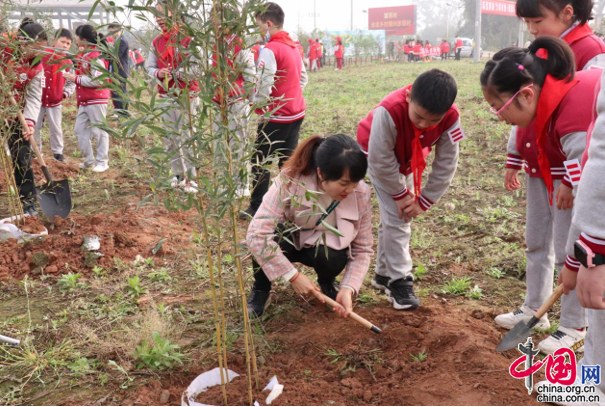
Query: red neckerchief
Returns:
{"type": "Point", "coordinates": [284, 37]}
{"type": "Point", "coordinates": [170, 37]}
{"type": "Point", "coordinates": [418, 163]}
{"type": "Point", "coordinates": [553, 91]}
{"type": "Point", "coordinates": [581, 31]}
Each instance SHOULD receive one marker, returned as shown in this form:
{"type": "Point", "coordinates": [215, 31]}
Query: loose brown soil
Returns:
{"type": "Point", "coordinates": [462, 367]}
{"type": "Point", "coordinates": [124, 234]}
{"type": "Point", "coordinates": [32, 225]}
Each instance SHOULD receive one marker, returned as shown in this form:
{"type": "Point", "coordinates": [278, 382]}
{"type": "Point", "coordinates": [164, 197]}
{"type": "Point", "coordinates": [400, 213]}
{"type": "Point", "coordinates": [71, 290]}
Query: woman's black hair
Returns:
{"type": "Point", "coordinates": [582, 9]}
{"type": "Point", "coordinates": [334, 155]}
{"type": "Point", "coordinates": [32, 30]}
{"type": "Point", "coordinates": [512, 68]}
{"type": "Point", "coordinates": [88, 33]}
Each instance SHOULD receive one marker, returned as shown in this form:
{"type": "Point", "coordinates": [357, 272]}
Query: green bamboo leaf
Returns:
{"type": "Point", "coordinates": [331, 228]}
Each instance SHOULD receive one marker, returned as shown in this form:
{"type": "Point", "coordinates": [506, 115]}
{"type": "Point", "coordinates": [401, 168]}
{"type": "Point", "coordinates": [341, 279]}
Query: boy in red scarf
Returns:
{"type": "Point", "coordinates": [397, 136]}
{"type": "Point", "coordinates": [165, 64]}
{"type": "Point", "coordinates": [55, 89]}
{"type": "Point", "coordinates": [281, 79]}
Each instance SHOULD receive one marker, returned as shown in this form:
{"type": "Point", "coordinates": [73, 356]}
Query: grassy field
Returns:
{"type": "Point", "coordinates": [126, 332]}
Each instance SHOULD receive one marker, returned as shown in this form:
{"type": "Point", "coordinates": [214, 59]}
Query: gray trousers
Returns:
{"type": "Point", "coordinates": [89, 117]}
{"type": "Point", "coordinates": [393, 259]}
{"type": "Point", "coordinates": [594, 346]}
{"type": "Point", "coordinates": [238, 142]}
{"type": "Point", "coordinates": [54, 116]}
{"type": "Point", "coordinates": [177, 122]}
{"type": "Point", "coordinates": [546, 232]}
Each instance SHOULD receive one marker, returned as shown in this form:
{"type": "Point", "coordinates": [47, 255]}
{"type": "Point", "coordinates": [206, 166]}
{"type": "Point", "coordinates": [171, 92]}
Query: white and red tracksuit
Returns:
{"type": "Point", "coordinates": [281, 79]}
{"type": "Point", "coordinates": [93, 98]}
{"type": "Point", "coordinates": [169, 50]}
{"type": "Point", "coordinates": [339, 53]}
{"type": "Point", "coordinates": [396, 155]}
{"type": "Point", "coordinates": [546, 226]}
{"type": "Point", "coordinates": [589, 222]}
{"type": "Point", "coordinates": [55, 89]}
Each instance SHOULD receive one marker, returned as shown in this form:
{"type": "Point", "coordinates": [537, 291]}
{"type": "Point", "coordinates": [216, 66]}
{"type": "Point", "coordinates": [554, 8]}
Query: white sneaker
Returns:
{"type": "Point", "coordinates": [524, 313]}
{"type": "Point", "coordinates": [243, 192]}
{"type": "Point", "coordinates": [175, 182]}
{"type": "Point", "coordinates": [100, 168]}
{"type": "Point", "coordinates": [562, 338]}
{"type": "Point", "coordinates": [190, 187]}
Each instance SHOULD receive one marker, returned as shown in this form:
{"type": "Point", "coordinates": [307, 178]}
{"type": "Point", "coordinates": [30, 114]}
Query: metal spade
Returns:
{"type": "Point", "coordinates": [523, 329]}
{"type": "Point", "coordinates": [54, 196]}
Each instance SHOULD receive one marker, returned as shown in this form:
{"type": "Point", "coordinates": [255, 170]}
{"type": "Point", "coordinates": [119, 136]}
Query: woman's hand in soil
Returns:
{"type": "Point", "coordinates": [564, 197]}
{"type": "Point", "coordinates": [590, 287]}
{"type": "Point", "coordinates": [345, 299]}
{"type": "Point", "coordinates": [511, 179]}
{"type": "Point", "coordinates": [304, 286]}
{"type": "Point", "coordinates": [568, 278]}
{"type": "Point", "coordinates": [27, 132]}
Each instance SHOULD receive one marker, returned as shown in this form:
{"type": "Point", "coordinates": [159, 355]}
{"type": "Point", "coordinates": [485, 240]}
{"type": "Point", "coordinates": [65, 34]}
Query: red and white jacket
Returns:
{"type": "Point", "coordinates": [386, 136]}
{"type": "Point", "coordinates": [242, 68]}
{"type": "Point", "coordinates": [339, 51]}
{"type": "Point", "coordinates": [55, 88]}
{"type": "Point", "coordinates": [165, 53]}
{"type": "Point", "coordinates": [89, 90]}
{"type": "Point", "coordinates": [281, 78]}
{"type": "Point", "coordinates": [26, 84]}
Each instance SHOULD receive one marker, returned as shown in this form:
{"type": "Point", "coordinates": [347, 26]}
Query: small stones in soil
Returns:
{"type": "Point", "coordinates": [165, 397]}
{"type": "Point", "coordinates": [41, 259]}
{"type": "Point", "coordinates": [91, 259]}
{"type": "Point", "coordinates": [367, 396]}
{"type": "Point", "coordinates": [91, 243]}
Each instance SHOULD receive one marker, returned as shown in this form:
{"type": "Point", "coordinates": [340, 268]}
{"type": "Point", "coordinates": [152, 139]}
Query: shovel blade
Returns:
{"type": "Point", "coordinates": [517, 335]}
{"type": "Point", "coordinates": [55, 199]}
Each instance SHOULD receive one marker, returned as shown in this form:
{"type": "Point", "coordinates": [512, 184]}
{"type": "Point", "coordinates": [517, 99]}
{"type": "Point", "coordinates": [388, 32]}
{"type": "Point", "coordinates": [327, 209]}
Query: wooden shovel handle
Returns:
{"type": "Point", "coordinates": [32, 140]}
{"type": "Point", "coordinates": [549, 302]}
{"type": "Point", "coordinates": [355, 317]}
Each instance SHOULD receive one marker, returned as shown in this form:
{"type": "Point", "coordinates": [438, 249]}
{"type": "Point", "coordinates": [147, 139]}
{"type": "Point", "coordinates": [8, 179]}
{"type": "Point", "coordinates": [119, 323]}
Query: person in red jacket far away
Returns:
{"type": "Point", "coordinates": [458, 48]}
{"type": "Point", "coordinates": [445, 49]}
{"type": "Point", "coordinates": [339, 53]}
{"type": "Point", "coordinates": [312, 55]}
{"type": "Point", "coordinates": [319, 51]}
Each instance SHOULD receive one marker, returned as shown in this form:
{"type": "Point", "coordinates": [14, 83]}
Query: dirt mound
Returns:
{"type": "Point", "coordinates": [124, 234]}
{"type": "Point", "coordinates": [32, 225]}
{"type": "Point", "coordinates": [59, 170]}
{"type": "Point", "coordinates": [323, 360]}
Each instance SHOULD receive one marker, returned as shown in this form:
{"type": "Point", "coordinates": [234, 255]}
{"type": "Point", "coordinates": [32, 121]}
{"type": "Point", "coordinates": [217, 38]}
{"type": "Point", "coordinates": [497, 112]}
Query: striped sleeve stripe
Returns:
{"type": "Point", "coordinates": [596, 244]}
{"type": "Point", "coordinates": [30, 122]}
{"type": "Point", "coordinates": [424, 203]}
{"type": "Point", "coordinates": [402, 194]}
{"type": "Point", "coordinates": [288, 119]}
{"type": "Point", "coordinates": [572, 264]}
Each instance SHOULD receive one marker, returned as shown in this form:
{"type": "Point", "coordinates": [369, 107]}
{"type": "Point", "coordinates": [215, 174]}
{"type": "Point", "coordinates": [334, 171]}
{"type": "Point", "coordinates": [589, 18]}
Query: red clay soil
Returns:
{"type": "Point", "coordinates": [59, 171]}
{"type": "Point", "coordinates": [32, 225]}
{"type": "Point", "coordinates": [462, 367]}
{"type": "Point", "coordinates": [124, 234]}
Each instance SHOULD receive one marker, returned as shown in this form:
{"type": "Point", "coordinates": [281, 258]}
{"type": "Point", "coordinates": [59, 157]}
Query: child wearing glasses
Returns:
{"type": "Point", "coordinates": [567, 20]}
{"type": "Point", "coordinates": [538, 90]}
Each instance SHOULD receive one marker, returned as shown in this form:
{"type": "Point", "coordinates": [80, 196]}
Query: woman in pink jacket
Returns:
{"type": "Point", "coordinates": [317, 213]}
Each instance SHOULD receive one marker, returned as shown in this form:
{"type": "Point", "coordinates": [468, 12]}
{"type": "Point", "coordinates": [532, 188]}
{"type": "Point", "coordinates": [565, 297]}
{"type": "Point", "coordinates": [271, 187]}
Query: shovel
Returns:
{"type": "Point", "coordinates": [54, 196]}
{"type": "Point", "coordinates": [355, 317]}
{"type": "Point", "coordinates": [523, 329]}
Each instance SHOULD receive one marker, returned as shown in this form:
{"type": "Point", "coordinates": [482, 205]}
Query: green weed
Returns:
{"type": "Point", "coordinates": [159, 355]}
{"type": "Point", "coordinates": [456, 286]}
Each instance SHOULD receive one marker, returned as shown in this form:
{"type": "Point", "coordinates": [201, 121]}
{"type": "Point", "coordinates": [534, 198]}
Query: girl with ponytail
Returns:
{"type": "Point", "coordinates": [93, 97]}
{"type": "Point", "coordinates": [539, 90]}
{"type": "Point", "coordinates": [317, 213]}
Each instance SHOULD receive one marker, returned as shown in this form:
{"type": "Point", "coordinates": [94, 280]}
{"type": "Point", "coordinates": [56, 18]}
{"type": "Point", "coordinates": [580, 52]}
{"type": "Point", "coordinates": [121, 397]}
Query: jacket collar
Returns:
{"type": "Point", "coordinates": [347, 209]}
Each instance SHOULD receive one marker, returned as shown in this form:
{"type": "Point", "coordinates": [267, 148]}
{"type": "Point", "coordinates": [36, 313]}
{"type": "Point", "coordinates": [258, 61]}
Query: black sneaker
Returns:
{"type": "Point", "coordinates": [257, 302]}
{"type": "Point", "coordinates": [380, 282]}
{"type": "Point", "coordinates": [401, 294]}
{"type": "Point", "coordinates": [330, 289]}
{"type": "Point", "coordinates": [248, 214]}
{"type": "Point", "coordinates": [59, 157]}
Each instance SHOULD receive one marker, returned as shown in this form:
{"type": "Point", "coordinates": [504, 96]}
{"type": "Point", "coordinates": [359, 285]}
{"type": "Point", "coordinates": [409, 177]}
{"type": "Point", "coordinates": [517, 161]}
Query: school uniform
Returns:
{"type": "Point", "coordinates": [140, 59]}
{"type": "Point", "coordinates": [281, 78]}
{"type": "Point", "coordinates": [287, 203]}
{"type": "Point", "coordinates": [92, 99]}
{"type": "Point", "coordinates": [240, 61]}
{"type": "Point", "coordinates": [396, 159]}
{"type": "Point", "coordinates": [445, 50]}
{"type": "Point", "coordinates": [27, 87]}
{"type": "Point", "coordinates": [339, 54]}
{"type": "Point", "coordinates": [166, 53]}
{"type": "Point", "coordinates": [312, 55]}
{"type": "Point", "coordinates": [55, 88]}
{"type": "Point", "coordinates": [458, 48]}
{"type": "Point", "coordinates": [548, 228]}
{"type": "Point", "coordinates": [589, 221]}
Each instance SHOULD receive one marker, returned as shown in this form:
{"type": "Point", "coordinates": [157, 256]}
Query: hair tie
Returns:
{"type": "Point", "coordinates": [521, 67]}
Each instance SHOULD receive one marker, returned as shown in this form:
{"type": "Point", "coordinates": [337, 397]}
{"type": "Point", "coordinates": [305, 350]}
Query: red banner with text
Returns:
{"type": "Point", "coordinates": [499, 7]}
{"type": "Point", "coordinates": [400, 19]}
